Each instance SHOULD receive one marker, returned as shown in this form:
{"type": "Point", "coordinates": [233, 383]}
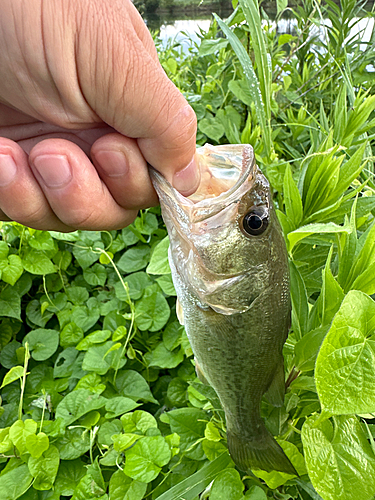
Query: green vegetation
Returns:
{"type": "Point", "coordinates": [99, 395]}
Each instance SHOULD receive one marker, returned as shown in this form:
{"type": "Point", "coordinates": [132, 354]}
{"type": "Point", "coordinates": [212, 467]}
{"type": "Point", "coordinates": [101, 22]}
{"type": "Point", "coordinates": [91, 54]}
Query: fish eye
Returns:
{"type": "Point", "coordinates": [255, 222]}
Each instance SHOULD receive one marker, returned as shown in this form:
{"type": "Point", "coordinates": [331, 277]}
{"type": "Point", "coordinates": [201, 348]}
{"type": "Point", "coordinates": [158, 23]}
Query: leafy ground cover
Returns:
{"type": "Point", "coordinates": [99, 397]}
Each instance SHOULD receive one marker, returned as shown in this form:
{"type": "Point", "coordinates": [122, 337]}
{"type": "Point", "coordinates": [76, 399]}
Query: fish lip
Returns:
{"type": "Point", "coordinates": [206, 208]}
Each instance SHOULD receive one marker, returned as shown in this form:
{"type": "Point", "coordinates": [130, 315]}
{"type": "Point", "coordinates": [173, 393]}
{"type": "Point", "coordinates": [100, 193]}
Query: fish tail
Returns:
{"type": "Point", "coordinates": [259, 453]}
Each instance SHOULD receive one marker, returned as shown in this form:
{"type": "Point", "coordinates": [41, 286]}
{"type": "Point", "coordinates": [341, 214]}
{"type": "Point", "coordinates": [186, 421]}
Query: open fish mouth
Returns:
{"type": "Point", "coordinates": [227, 173]}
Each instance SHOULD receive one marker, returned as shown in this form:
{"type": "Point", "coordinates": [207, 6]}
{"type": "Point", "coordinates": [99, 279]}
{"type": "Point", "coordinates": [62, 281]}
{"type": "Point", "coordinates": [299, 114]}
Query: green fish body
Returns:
{"type": "Point", "coordinates": [230, 270]}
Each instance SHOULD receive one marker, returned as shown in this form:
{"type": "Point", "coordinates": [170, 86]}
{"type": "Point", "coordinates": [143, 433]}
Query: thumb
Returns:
{"type": "Point", "coordinates": [127, 88]}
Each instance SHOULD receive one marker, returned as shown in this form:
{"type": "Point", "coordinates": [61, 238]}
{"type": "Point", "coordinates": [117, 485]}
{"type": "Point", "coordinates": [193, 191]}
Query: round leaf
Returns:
{"type": "Point", "coordinates": [42, 343]}
{"type": "Point", "coordinates": [146, 458]}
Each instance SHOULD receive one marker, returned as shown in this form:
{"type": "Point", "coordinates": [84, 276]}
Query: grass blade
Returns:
{"type": "Point", "coordinates": [252, 80]}
{"type": "Point", "coordinates": [262, 59]}
{"type": "Point", "coordinates": [192, 486]}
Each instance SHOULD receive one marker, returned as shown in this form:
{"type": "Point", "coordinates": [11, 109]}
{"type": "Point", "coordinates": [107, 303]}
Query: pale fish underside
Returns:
{"type": "Point", "coordinates": [230, 270]}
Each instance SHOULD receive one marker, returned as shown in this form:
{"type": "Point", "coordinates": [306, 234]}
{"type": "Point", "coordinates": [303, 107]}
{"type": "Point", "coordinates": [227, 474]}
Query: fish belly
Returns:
{"type": "Point", "coordinates": [240, 355]}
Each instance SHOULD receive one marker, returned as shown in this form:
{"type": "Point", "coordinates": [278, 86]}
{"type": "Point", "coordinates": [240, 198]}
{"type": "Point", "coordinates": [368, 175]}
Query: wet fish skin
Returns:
{"type": "Point", "coordinates": [234, 292]}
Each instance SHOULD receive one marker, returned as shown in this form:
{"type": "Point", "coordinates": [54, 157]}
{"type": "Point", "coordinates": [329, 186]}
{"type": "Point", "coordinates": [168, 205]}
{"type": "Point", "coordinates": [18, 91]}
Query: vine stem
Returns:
{"type": "Point", "coordinates": [23, 384]}
{"type": "Point", "coordinates": [130, 303]}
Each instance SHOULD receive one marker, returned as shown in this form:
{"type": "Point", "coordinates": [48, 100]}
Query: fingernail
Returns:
{"type": "Point", "coordinates": [54, 170]}
{"type": "Point", "coordinates": [113, 163]}
{"type": "Point", "coordinates": [187, 180]}
{"type": "Point", "coordinates": [8, 170]}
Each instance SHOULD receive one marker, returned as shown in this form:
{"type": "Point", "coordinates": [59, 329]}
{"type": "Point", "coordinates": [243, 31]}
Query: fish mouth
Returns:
{"type": "Point", "coordinates": [227, 173]}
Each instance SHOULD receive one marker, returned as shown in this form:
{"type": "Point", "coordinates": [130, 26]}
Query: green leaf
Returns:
{"type": "Point", "coordinates": [240, 89]}
{"type": "Point", "coordinates": [6, 333]}
{"type": "Point", "coordinates": [70, 335]}
{"type": "Point", "coordinates": [131, 384]}
{"type": "Point", "coordinates": [147, 223]}
{"type": "Point", "coordinates": [97, 337]}
{"type": "Point", "coordinates": [227, 485]}
{"type": "Point", "coordinates": [138, 420]}
{"type": "Point", "coordinates": [146, 458]}
{"type": "Point", "coordinates": [213, 449]}
{"type": "Point", "coordinates": [65, 363]}
{"type": "Point", "coordinates": [274, 479]}
{"type": "Point", "coordinates": [95, 275]}
{"type": "Point", "coordinates": [339, 459]}
{"type": "Point", "coordinates": [118, 406]}
{"type": "Point", "coordinates": [19, 431]}
{"type": "Point", "coordinates": [11, 269]}
{"type": "Point", "coordinates": [41, 240]}
{"type": "Point", "coordinates": [137, 282]}
{"type": "Point", "coordinates": [96, 359]}
{"type": "Point", "coordinates": [159, 263]}
{"type": "Point", "coordinates": [69, 475]}
{"type": "Point", "coordinates": [163, 358]}
{"type": "Point", "coordinates": [260, 99]}
{"type": "Point", "coordinates": [78, 403]}
{"type": "Point", "coordinates": [37, 262]}
{"type": "Point", "coordinates": [10, 303]}
{"type": "Point", "coordinates": [44, 469]}
{"type": "Point", "coordinates": [191, 487]}
{"type": "Point", "coordinates": [281, 6]}
{"type": "Point", "coordinates": [84, 255]}
{"type": "Point", "coordinates": [344, 373]}
{"type": "Point", "coordinates": [14, 483]}
{"type": "Point", "coordinates": [306, 349]}
{"type": "Point", "coordinates": [34, 313]}
{"type": "Point", "coordinates": [212, 128]}
{"type": "Point", "coordinates": [212, 432]}
{"type": "Point", "coordinates": [255, 493]}
{"type": "Point", "coordinates": [189, 424]}
{"type": "Point", "coordinates": [292, 199]}
{"type": "Point", "coordinates": [87, 489]}
{"type": "Point", "coordinates": [8, 355]}
{"type": "Point", "coordinates": [73, 444]}
{"type": "Point", "coordinates": [91, 381]}
{"type": "Point", "coordinates": [300, 307]}
{"type": "Point", "coordinates": [361, 270]}
{"type": "Point", "coordinates": [208, 47]}
{"type": "Point", "coordinates": [4, 250]}
{"type": "Point", "coordinates": [96, 474]}
{"type": "Point", "coordinates": [152, 310]}
{"type": "Point", "coordinates": [304, 231]}
{"type": "Point", "coordinates": [42, 343]}
{"type": "Point", "coordinates": [134, 259]}
{"type": "Point", "coordinates": [166, 284]}
{"type": "Point", "coordinates": [78, 295]}
{"type": "Point", "coordinates": [15, 373]}
{"type": "Point", "coordinates": [177, 392]}
{"type": "Point", "coordinates": [172, 335]}
{"type": "Point", "coordinates": [36, 445]}
{"type": "Point", "coordinates": [85, 317]}
{"type": "Point", "coordinates": [348, 172]}
{"type": "Point", "coordinates": [122, 487]}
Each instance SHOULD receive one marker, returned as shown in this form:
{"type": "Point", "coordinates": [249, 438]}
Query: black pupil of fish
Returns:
{"type": "Point", "coordinates": [254, 224]}
{"type": "Point", "coordinates": [254, 221]}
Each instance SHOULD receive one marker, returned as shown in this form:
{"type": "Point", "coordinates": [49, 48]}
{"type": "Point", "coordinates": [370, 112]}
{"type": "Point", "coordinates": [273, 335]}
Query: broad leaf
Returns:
{"type": "Point", "coordinates": [339, 459]}
{"type": "Point", "coordinates": [345, 366]}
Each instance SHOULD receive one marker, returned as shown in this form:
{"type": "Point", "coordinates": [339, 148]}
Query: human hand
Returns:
{"type": "Point", "coordinates": [84, 105]}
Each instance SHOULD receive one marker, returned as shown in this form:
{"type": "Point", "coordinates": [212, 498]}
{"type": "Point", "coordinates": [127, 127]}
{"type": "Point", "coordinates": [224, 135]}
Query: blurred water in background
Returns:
{"type": "Point", "coordinates": [185, 30]}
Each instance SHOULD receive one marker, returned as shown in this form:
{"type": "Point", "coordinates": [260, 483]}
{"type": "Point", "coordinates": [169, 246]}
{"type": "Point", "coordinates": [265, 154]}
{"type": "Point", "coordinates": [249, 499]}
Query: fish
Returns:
{"type": "Point", "coordinates": [229, 266]}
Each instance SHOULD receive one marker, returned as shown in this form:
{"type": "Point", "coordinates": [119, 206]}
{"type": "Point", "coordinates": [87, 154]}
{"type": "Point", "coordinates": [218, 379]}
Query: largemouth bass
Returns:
{"type": "Point", "coordinates": [230, 270]}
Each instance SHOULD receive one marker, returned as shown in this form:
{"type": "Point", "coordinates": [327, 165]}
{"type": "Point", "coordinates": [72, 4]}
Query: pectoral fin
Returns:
{"type": "Point", "coordinates": [276, 391]}
{"type": "Point", "coordinates": [200, 373]}
{"type": "Point", "coordinates": [179, 312]}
